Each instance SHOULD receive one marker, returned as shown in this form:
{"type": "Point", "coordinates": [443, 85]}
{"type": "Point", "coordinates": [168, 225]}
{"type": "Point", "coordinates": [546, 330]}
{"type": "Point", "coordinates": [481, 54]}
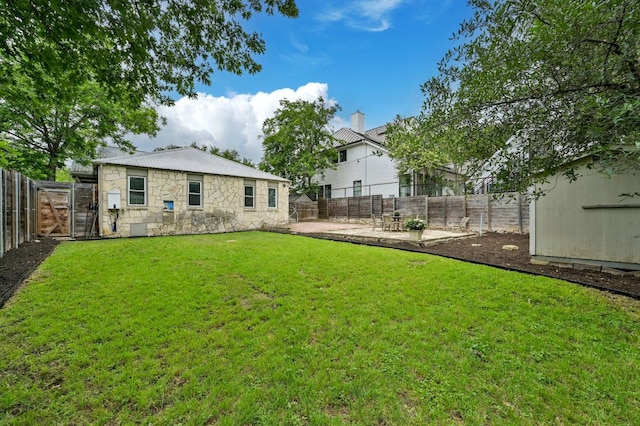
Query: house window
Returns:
{"type": "Point", "coordinates": [137, 191]}
{"type": "Point", "coordinates": [272, 197]}
{"type": "Point", "coordinates": [249, 194]}
{"type": "Point", "coordinates": [194, 188]}
{"type": "Point", "coordinates": [342, 155]}
{"type": "Point", "coordinates": [405, 185]}
{"type": "Point", "coordinates": [357, 188]}
{"type": "Point", "coordinates": [324, 191]}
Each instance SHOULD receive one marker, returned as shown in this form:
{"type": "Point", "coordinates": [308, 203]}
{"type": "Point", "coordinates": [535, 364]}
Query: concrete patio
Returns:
{"type": "Point", "coordinates": [365, 231]}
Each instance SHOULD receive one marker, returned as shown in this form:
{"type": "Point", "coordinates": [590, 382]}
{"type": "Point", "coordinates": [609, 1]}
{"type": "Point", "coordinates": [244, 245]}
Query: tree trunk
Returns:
{"type": "Point", "coordinates": [52, 168]}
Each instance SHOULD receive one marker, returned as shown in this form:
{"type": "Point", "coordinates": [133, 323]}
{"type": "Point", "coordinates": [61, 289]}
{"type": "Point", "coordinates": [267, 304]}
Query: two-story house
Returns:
{"type": "Point", "coordinates": [365, 168]}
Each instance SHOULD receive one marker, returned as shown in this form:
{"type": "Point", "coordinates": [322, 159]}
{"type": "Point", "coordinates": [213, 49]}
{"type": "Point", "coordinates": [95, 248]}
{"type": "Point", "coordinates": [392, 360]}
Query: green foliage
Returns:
{"type": "Point", "coordinates": [409, 143]}
{"type": "Point", "coordinates": [64, 175]}
{"type": "Point", "coordinates": [217, 329]}
{"type": "Point", "coordinates": [49, 117]}
{"type": "Point", "coordinates": [148, 49]}
{"type": "Point", "coordinates": [298, 143]}
{"type": "Point", "coordinates": [30, 163]}
{"type": "Point", "coordinates": [540, 83]}
{"type": "Point", "coordinates": [75, 75]}
{"type": "Point", "coordinates": [425, 144]}
{"type": "Point", "coordinates": [415, 224]}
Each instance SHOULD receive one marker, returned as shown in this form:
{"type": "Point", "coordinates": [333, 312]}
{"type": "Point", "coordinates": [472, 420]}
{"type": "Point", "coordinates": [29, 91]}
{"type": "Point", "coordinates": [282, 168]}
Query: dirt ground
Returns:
{"type": "Point", "coordinates": [18, 264]}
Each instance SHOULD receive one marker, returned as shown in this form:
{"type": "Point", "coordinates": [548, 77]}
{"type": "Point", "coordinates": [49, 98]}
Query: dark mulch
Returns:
{"type": "Point", "coordinates": [490, 252]}
{"type": "Point", "coordinates": [18, 264]}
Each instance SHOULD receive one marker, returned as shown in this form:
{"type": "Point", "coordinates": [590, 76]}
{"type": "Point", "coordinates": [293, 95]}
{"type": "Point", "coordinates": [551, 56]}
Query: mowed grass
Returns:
{"type": "Point", "coordinates": [262, 328]}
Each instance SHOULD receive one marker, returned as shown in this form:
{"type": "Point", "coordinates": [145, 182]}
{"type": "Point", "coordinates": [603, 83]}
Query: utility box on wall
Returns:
{"type": "Point", "coordinates": [113, 200]}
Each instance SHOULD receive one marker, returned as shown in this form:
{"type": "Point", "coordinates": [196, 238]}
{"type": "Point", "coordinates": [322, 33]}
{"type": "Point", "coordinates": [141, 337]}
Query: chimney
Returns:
{"type": "Point", "coordinates": [357, 122]}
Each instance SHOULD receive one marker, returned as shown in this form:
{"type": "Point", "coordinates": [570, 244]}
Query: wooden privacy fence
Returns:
{"type": "Point", "coordinates": [507, 212]}
{"type": "Point", "coordinates": [33, 209]}
{"type": "Point", "coordinates": [18, 210]}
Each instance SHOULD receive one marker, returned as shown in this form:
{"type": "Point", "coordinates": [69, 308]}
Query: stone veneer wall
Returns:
{"type": "Point", "coordinates": [222, 205]}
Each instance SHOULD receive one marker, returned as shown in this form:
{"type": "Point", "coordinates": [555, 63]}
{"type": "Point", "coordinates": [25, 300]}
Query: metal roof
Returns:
{"type": "Point", "coordinates": [190, 160]}
{"type": "Point", "coordinates": [348, 136]}
{"type": "Point", "coordinates": [101, 152]}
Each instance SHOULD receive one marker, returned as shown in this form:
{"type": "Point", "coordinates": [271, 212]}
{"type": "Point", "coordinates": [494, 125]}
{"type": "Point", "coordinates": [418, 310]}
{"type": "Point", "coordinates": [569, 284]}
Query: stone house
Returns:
{"type": "Point", "coordinates": [185, 191]}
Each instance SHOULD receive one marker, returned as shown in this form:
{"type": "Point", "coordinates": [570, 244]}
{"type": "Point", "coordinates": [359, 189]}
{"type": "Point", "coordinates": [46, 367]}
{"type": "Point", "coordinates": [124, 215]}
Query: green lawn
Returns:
{"type": "Point", "coordinates": [262, 328]}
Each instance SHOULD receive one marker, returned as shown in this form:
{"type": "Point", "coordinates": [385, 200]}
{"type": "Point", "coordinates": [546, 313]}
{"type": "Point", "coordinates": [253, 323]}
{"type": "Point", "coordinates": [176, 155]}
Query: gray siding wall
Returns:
{"type": "Point", "coordinates": [588, 220]}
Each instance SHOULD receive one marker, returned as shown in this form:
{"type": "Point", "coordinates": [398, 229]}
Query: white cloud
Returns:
{"type": "Point", "coordinates": [233, 122]}
{"type": "Point", "coordinates": [366, 15]}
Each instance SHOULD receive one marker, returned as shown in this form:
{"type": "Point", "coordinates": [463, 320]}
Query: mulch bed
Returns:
{"type": "Point", "coordinates": [18, 264]}
{"type": "Point", "coordinates": [490, 252]}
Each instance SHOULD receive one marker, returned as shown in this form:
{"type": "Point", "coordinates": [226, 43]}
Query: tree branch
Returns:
{"type": "Point", "coordinates": [554, 93]}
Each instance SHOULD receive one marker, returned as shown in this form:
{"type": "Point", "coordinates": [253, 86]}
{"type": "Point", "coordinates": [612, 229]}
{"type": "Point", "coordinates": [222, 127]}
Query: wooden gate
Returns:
{"type": "Point", "coordinates": [53, 217]}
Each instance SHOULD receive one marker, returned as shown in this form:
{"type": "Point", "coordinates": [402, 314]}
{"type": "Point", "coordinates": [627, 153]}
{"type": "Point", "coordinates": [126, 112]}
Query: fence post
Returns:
{"type": "Point", "coordinates": [34, 210]}
{"type": "Point", "coordinates": [489, 226]}
{"type": "Point", "coordinates": [370, 203]}
{"type": "Point", "coordinates": [27, 233]}
{"type": "Point", "coordinates": [426, 209]}
{"type": "Point", "coordinates": [73, 210]}
{"type": "Point", "coordinates": [464, 206]}
{"type": "Point", "coordinates": [347, 198]}
{"type": "Point", "coordinates": [2, 212]}
{"type": "Point", "coordinates": [520, 224]}
{"type": "Point", "coordinates": [16, 209]}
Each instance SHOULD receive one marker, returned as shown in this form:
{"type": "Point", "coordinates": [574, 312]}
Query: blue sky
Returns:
{"type": "Point", "coordinates": [367, 55]}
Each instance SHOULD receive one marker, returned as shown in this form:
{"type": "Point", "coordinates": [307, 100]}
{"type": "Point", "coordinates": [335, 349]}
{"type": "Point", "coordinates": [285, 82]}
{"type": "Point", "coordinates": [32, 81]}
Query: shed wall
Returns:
{"type": "Point", "coordinates": [589, 220]}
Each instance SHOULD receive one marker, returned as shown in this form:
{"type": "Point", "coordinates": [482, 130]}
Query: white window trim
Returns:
{"type": "Point", "coordinates": [253, 196]}
{"type": "Point", "coordinates": [194, 206]}
{"type": "Point", "coordinates": [274, 188]}
{"type": "Point", "coordinates": [144, 191]}
{"type": "Point", "coordinates": [357, 185]}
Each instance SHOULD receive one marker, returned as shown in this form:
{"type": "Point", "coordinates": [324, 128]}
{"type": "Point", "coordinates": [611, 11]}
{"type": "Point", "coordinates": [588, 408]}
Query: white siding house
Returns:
{"type": "Point", "coordinates": [365, 168]}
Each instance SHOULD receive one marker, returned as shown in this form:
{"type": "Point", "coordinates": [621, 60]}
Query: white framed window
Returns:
{"type": "Point", "coordinates": [324, 191]}
{"type": "Point", "coordinates": [357, 188]}
{"type": "Point", "coordinates": [342, 155]}
{"type": "Point", "coordinates": [249, 194]}
{"type": "Point", "coordinates": [405, 185]}
{"type": "Point", "coordinates": [137, 191]}
{"type": "Point", "coordinates": [194, 191]}
{"type": "Point", "coordinates": [272, 197]}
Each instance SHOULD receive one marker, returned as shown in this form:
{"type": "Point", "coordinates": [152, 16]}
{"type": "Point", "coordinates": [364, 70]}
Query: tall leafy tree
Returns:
{"type": "Point", "coordinates": [150, 49]}
{"type": "Point", "coordinates": [298, 143]}
{"type": "Point", "coordinates": [75, 74]}
{"type": "Point", "coordinates": [424, 143]}
{"type": "Point", "coordinates": [48, 118]}
{"type": "Point", "coordinates": [540, 83]}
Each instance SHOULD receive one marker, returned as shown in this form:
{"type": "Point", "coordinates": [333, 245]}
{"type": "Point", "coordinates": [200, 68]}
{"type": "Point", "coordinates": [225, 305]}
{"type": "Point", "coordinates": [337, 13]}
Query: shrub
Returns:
{"type": "Point", "coordinates": [415, 224]}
